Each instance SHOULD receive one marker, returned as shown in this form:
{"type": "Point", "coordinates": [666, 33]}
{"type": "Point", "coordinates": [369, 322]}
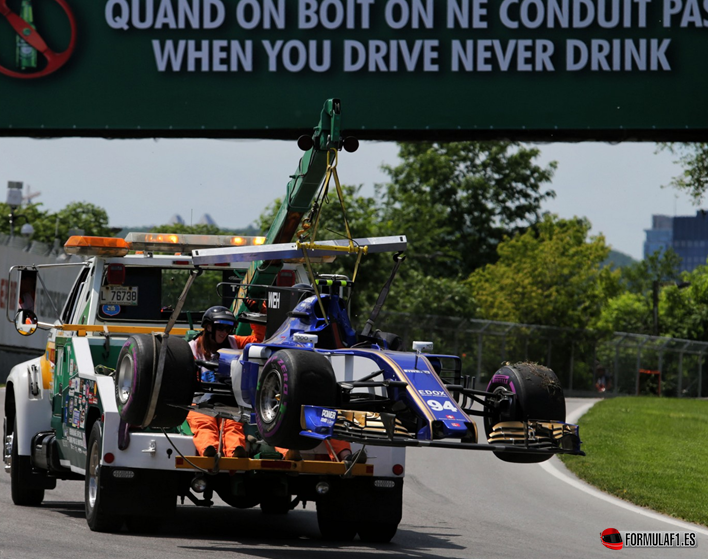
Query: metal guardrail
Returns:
{"type": "Point", "coordinates": [584, 360]}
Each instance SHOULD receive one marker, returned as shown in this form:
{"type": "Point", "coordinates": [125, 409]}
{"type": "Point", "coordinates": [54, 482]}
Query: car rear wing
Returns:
{"type": "Point", "coordinates": [289, 251]}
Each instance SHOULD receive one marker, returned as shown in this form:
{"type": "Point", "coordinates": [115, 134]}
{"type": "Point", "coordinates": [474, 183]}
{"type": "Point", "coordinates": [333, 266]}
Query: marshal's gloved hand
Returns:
{"type": "Point", "coordinates": [254, 305]}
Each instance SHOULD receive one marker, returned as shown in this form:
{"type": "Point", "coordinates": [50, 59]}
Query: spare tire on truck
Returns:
{"type": "Point", "coordinates": [290, 379]}
{"type": "Point", "coordinates": [539, 396]}
{"type": "Point", "coordinates": [136, 374]}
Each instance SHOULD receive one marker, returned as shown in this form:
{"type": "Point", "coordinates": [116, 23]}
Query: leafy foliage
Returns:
{"type": "Point", "coordinates": [92, 219]}
{"type": "Point", "coordinates": [683, 307]}
{"type": "Point", "coordinates": [456, 201]}
{"type": "Point", "coordinates": [662, 266]}
{"type": "Point", "coordinates": [627, 312]}
{"type": "Point", "coordinates": [632, 310]}
{"type": "Point", "coordinates": [693, 180]}
{"type": "Point", "coordinates": [550, 275]}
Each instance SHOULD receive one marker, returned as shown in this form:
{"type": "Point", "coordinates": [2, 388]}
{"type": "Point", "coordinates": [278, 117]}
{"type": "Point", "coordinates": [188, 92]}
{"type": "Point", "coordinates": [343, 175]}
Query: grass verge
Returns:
{"type": "Point", "coordinates": [650, 451]}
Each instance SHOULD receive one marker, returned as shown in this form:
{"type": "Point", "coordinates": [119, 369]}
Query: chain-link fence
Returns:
{"type": "Point", "coordinates": [584, 360]}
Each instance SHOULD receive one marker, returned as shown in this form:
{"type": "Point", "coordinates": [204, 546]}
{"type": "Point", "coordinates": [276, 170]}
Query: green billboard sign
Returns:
{"type": "Point", "coordinates": [536, 69]}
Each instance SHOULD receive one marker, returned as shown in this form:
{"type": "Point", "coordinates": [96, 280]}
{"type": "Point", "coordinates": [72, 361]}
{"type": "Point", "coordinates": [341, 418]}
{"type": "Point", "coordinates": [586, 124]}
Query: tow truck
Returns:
{"type": "Point", "coordinates": [107, 401]}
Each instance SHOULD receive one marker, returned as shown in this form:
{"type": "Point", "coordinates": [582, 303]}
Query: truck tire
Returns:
{"type": "Point", "coordinates": [137, 364]}
{"type": "Point", "coordinates": [290, 379]}
{"type": "Point", "coordinates": [539, 395]}
{"type": "Point", "coordinates": [24, 493]}
{"type": "Point", "coordinates": [377, 532]}
{"type": "Point", "coordinates": [99, 515]}
{"type": "Point", "coordinates": [333, 528]}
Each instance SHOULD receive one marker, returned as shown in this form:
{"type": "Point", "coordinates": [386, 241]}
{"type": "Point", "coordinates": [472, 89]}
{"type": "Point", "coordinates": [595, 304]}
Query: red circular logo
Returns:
{"type": "Point", "coordinates": [33, 41]}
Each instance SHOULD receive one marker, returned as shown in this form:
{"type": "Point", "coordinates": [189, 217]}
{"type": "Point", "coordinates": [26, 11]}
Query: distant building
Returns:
{"type": "Point", "coordinates": [660, 236]}
{"type": "Point", "coordinates": [206, 220]}
{"type": "Point", "coordinates": [176, 220]}
{"type": "Point", "coordinates": [686, 235]}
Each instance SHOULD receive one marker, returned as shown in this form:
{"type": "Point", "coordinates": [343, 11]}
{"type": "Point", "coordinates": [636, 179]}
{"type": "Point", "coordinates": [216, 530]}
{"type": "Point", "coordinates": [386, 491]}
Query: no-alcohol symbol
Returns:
{"type": "Point", "coordinates": [30, 42]}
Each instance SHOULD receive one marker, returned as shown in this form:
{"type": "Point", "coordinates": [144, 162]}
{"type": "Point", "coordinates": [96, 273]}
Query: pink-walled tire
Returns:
{"type": "Point", "coordinates": [539, 395]}
{"type": "Point", "coordinates": [290, 379]}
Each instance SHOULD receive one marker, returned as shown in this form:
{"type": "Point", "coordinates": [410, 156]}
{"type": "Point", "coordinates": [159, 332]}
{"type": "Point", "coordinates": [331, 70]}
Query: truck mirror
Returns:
{"type": "Point", "coordinates": [25, 322]}
{"type": "Point", "coordinates": [28, 290]}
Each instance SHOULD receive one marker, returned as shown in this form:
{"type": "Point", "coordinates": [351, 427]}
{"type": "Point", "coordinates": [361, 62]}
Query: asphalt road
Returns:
{"type": "Point", "coordinates": [456, 504]}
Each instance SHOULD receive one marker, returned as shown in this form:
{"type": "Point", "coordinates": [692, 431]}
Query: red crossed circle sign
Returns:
{"type": "Point", "coordinates": [55, 60]}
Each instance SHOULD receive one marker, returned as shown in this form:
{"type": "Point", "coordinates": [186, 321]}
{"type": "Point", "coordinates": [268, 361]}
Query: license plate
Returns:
{"type": "Point", "coordinates": [119, 295]}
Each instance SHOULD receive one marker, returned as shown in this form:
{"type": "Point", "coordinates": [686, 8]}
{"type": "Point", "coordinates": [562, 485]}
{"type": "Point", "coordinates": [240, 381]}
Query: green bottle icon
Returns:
{"type": "Point", "coordinates": [25, 54]}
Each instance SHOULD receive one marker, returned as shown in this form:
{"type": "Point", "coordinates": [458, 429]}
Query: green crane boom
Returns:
{"type": "Point", "coordinates": [301, 192]}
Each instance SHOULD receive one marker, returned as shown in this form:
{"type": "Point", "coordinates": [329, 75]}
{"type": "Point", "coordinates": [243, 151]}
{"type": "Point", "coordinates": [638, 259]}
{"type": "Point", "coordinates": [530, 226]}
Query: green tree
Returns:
{"type": "Point", "coordinates": [627, 312]}
{"type": "Point", "coordinates": [693, 179]}
{"type": "Point", "coordinates": [662, 266]}
{"type": "Point", "coordinates": [550, 275]}
{"type": "Point", "coordinates": [632, 310]}
{"type": "Point", "coordinates": [31, 213]}
{"type": "Point", "coordinates": [683, 307]}
{"type": "Point", "coordinates": [456, 201]}
{"type": "Point", "coordinates": [48, 226]}
{"type": "Point", "coordinates": [93, 220]}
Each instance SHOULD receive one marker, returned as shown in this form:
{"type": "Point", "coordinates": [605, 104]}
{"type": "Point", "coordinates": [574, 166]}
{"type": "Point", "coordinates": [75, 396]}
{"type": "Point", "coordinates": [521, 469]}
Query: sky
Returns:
{"type": "Point", "coordinates": [618, 187]}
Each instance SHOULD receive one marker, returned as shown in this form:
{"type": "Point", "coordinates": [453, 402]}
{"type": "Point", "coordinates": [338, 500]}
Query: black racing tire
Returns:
{"type": "Point", "coordinates": [99, 514]}
{"type": "Point", "coordinates": [24, 492]}
{"type": "Point", "coordinates": [290, 379]}
{"type": "Point", "coordinates": [539, 395]}
{"type": "Point", "coordinates": [136, 367]}
{"type": "Point", "coordinates": [333, 528]}
{"type": "Point", "coordinates": [377, 532]}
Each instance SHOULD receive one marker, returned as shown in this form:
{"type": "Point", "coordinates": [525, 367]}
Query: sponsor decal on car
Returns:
{"type": "Point", "coordinates": [414, 371]}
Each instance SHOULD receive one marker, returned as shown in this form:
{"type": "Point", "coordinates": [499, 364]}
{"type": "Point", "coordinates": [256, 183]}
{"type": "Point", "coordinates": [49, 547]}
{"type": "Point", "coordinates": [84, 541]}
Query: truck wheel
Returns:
{"type": "Point", "coordinates": [137, 364]}
{"type": "Point", "coordinates": [333, 528]}
{"type": "Point", "coordinates": [377, 532]}
{"type": "Point", "coordinates": [539, 395]}
{"type": "Point", "coordinates": [99, 515]}
{"type": "Point", "coordinates": [290, 379]}
{"type": "Point", "coordinates": [24, 494]}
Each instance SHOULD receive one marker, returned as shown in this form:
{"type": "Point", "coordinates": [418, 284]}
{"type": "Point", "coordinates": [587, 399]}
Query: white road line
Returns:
{"type": "Point", "coordinates": [582, 486]}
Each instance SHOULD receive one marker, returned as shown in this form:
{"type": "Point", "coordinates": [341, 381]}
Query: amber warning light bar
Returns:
{"type": "Point", "coordinates": [153, 242]}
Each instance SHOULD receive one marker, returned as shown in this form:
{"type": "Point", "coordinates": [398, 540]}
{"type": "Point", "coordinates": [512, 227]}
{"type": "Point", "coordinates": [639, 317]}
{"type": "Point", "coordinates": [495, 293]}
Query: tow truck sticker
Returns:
{"type": "Point", "coordinates": [110, 310]}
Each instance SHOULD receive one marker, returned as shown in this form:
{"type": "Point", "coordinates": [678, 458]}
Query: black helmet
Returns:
{"type": "Point", "coordinates": [219, 315]}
